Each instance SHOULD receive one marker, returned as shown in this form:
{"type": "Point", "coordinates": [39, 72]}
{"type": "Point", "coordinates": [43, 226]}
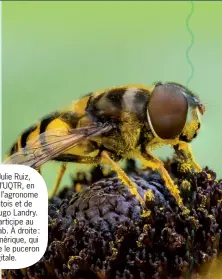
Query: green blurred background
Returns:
{"type": "Point", "coordinates": [55, 52]}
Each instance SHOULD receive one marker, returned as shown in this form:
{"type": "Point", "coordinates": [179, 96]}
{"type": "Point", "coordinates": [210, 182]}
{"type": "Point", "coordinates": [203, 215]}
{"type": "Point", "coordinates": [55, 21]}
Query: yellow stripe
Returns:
{"type": "Point", "coordinates": [80, 106]}
{"type": "Point", "coordinates": [19, 142]}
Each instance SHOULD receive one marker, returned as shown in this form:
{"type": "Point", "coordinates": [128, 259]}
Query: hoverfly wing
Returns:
{"type": "Point", "coordinates": [52, 143]}
{"type": "Point", "coordinates": [35, 151]}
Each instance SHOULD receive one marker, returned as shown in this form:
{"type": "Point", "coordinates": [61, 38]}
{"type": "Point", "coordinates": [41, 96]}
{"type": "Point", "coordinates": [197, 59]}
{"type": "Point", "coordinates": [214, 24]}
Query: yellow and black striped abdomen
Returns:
{"type": "Point", "coordinates": [29, 133]}
{"type": "Point", "coordinates": [56, 122]}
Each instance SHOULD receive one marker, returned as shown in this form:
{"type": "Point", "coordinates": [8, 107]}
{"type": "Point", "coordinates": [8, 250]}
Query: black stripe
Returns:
{"type": "Point", "coordinates": [184, 138]}
{"type": "Point", "coordinates": [70, 118]}
{"type": "Point", "coordinates": [91, 108]}
{"type": "Point", "coordinates": [195, 135]}
{"type": "Point", "coordinates": [106, 106]}
{"type": "Point", "coordinates": [26, 134]}
{"type": "Point", "coordinates": [45, 121]}
{"type": "Point", "coordinates": [140, 104]}
{"type": "Point", "coordinates": [115, 97]}
{"type": "Point", "coordinates": [143, 139]}
{"type": "Point", "coordinates": [83, 159]}
{"type": "Point", "coordinates": [66, 158]}
{"type": "Point", "coordinates": [43, 126]}
{"type": "Point", "coordinates": [13, 149]}
{"type": "Point", "coordinates": [76, 159]}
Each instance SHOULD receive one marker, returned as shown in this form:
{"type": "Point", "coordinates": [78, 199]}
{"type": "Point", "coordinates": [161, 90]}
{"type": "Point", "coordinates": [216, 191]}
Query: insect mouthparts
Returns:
{"type": "Point", "coordinates": [201, 108]}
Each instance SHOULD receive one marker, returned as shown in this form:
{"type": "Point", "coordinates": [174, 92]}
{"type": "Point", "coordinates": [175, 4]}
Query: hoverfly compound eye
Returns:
{"type": "Point", "coordinates": [167, 111]}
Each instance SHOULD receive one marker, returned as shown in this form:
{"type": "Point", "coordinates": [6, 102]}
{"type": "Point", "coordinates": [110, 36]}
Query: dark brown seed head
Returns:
{"type": "Point", "coordinates": [167, 110]}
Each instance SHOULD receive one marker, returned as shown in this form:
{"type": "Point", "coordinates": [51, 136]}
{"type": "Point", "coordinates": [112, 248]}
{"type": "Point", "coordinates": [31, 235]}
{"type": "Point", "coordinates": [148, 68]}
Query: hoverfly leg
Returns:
{"type": "Point", "coordinates": [122, 176]}
{"type": "Point", "coordinates": [58, 179]}
{"type": "Point", "coordinates": [184, 149]}
{"type": "Point", "coordinates": [152, 162]}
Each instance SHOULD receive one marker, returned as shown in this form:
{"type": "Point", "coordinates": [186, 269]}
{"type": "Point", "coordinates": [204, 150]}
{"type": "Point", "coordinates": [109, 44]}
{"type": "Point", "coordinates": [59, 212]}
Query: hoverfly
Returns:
{"type": "Point", "coordinates": [115, 124]}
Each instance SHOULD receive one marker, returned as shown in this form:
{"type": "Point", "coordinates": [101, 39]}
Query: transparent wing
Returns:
{"type": "Point", "coordinates": [52, 143]}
